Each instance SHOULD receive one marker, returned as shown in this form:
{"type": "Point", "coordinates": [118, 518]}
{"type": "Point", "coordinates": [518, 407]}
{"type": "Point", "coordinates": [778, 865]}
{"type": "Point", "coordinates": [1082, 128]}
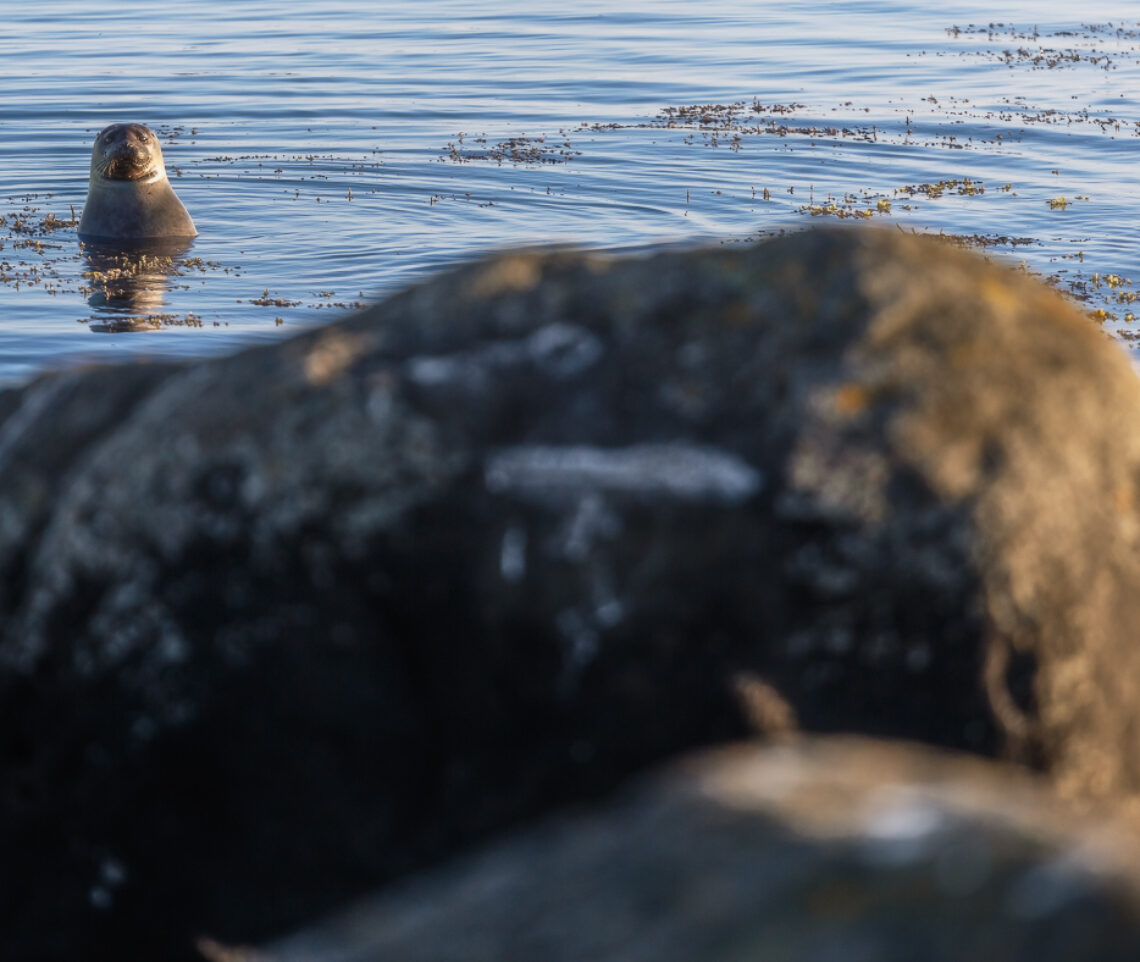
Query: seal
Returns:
{"type": "Point", "coordinates": [129, 197]}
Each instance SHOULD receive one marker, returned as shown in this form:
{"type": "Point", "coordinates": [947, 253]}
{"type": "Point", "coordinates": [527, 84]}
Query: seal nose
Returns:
{"type": "Point", "coordinates": [127, 154]}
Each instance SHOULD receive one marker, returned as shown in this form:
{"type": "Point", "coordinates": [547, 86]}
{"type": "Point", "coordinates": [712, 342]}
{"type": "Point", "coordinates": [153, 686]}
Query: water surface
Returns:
{"type": "Point", "coordinates": [329, 157]}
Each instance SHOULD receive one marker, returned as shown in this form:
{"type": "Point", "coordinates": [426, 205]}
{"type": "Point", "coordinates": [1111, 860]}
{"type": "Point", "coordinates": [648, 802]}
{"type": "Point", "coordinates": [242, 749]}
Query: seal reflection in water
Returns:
{"type": "Point", "coordinates": [126, 287]}
{"type": "Point", "coordinates": [134, 229]}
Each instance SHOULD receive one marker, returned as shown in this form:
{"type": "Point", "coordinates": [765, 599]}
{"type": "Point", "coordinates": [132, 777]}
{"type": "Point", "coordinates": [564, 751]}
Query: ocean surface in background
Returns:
{"type": "Point", "coordinates": [334, 155]}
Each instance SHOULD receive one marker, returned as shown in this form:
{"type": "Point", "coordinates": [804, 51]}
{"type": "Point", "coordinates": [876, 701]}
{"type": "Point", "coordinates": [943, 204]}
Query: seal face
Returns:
{"type": "Point", "coordinates": [126, 152]}
{"type": "Point", "coordinates": [129, 196]}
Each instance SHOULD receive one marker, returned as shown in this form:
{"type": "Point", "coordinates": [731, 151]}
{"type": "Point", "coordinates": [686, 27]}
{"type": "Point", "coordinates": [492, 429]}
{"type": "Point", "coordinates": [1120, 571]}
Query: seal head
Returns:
{"type": "Point", "coordinates": [129, 197]}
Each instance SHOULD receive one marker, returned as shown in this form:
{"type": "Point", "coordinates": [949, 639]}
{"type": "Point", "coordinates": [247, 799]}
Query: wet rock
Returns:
{"type": "Point", "coordinates": [810, 851]}
{"type": "Point", "coordinates": [279, 627]}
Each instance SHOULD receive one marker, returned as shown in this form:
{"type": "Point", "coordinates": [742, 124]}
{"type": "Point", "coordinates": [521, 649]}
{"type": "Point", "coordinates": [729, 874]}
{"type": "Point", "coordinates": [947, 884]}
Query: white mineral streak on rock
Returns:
{"type": "Point", "coordinates": [583, 638]}
{"type": "Point", "coordinates": [564, 350]}
{"type": "Point", "coordinates": [589, 520]}
{"type": "Point", "coordinates": [433, 371]}
{"type": "Point", "coordinates": [678, 470]}
{"type": "Point", "coordinates": [558, 350]}
{"type": "Point", "coordinates": [901, 826]}
{"type": "Point", "coordinates": [512, 558]}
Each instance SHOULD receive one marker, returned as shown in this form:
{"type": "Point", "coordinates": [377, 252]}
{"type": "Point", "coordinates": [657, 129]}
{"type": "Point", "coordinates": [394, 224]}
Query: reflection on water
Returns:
{"type": "Point", "coordinates": [128, 283]}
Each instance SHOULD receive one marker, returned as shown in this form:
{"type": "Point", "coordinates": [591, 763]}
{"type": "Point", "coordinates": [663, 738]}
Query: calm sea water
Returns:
{"type": "Point", "coordinates": [331, 156]}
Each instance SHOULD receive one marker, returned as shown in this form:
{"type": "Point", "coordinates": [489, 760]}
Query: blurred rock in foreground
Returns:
{"type": "Point", "coordinates": [278, 628]}
{"type": "Point", "coordinates": [817, 851]}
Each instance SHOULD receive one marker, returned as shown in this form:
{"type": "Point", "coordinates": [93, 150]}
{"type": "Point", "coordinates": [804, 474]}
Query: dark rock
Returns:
{"type": "Point", "coordinates": [836, 851]}
{"type": "Point", "coordinates": [279, 627]}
